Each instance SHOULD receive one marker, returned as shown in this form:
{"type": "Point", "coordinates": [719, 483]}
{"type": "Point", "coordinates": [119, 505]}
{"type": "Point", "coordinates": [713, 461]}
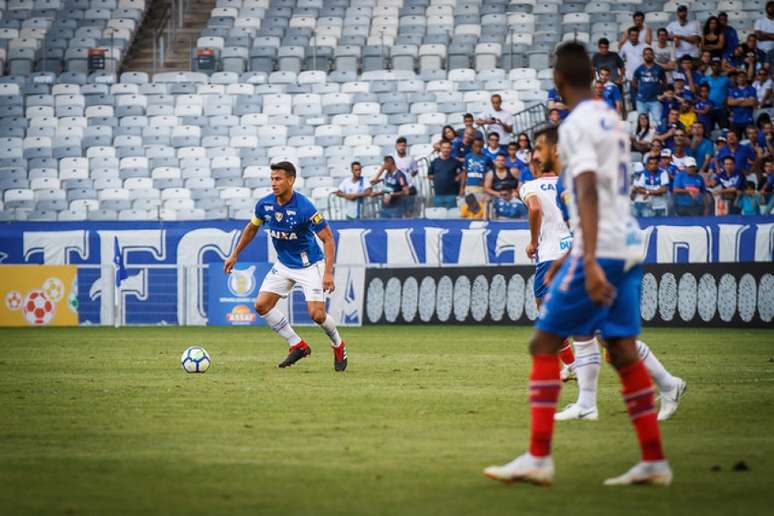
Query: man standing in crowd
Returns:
{"type": "Point", "coordinates": [632, 53]}
{"type": "Point", "coordinates": [446, 173]}
{"type": "Point", "coordinates": [462, 144]}
{"type": "Point", "coordinates": [742, 100]}
{"type": "Point", "coordinates": [648, 80]}
{"type": "Point", "coordinates": [688, 191]}
{"type": "Point", "coordinates": [396, 189]}
{"type": "Point", "coordinates": [764, 28]}
{"type": "Point", "coordinates": [354, 189]}
{"type": "Point", "coordinates": [468, 121]}
{"type": "Point", "coordinates": [685, 34]}
{"type": "Point", "coordinates": [497, 119]}
{"type": "Point", "coordinates": [719, 85]}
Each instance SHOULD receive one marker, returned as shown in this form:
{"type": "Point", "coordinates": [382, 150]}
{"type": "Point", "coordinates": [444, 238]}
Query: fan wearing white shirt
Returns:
{"type": "Point", "coordinates": [405, 163]}
{"type": "Point", "coordinates": [354, 189]}
{"type": "Point", "coordinates": [631, 52]}
{"type": "Point", "coordinates": [497, 119]}
{"type": "Point", "coordinates": [764, 28]}
{"type": "Point", "coordinates": [685, 34]}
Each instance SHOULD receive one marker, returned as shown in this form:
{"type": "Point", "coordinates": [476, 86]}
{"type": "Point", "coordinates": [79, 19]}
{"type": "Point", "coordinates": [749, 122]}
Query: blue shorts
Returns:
{"type": "Point", "coordinates": [568, 310]}
{"type": "Point", "coordinates": [539, 286]}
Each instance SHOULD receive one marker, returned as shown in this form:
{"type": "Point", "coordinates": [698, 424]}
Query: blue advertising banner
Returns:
{"type": "Point", "coordinates": [230, 298]}
{"type": "Point", "coordinates": [169, 260]}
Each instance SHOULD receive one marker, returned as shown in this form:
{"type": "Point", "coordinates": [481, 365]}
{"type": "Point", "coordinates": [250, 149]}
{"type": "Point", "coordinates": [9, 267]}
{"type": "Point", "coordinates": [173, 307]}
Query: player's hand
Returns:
{"type": "Point", "coordinates": [599, 289]}
{"type": "Point", "coordinates": [228, 265]}
{"type": "Point", "coordinates": [531, 250]}
{"type": "Point", "coordinates": [328, 284]}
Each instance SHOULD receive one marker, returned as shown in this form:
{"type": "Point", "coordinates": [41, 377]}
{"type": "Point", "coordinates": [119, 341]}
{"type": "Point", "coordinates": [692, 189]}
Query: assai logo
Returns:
{"type": "Point", "coordinates": [241, 314]}
{"type": "Point", "coordinates": [242, 282]}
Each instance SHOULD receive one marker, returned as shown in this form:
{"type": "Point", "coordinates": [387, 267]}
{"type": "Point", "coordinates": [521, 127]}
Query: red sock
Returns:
{"type": "Point", "coordinates": [638, 396]}
{"type": "Point", "coordinates": [544, 386]}
{"type": "Point", "coordinates": [566, 353]}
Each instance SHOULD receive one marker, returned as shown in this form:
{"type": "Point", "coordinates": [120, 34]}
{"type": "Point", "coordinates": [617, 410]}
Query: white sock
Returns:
{"type": "Point", "coordinates": [587, 365]}
{"type": "Point", "coordinates": [329, 327]}
{"type": "Point", "coordinates": [280, 324]}
{"type": "Point", "coordinates": [665, 381]}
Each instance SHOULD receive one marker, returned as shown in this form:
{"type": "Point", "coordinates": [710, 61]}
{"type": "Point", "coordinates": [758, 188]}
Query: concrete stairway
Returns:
{"type": "Point", "coordinates": [178, 58]}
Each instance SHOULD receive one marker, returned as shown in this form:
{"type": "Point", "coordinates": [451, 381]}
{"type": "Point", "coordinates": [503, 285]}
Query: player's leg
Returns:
{"type": "Point", "coordinates": [587, 366]}
{"type": "Point", "coordinates": [277, 284]}
{"type": "Point", "coordinates": [672, 388]}
{"type": "Point", "coordinates": [540, 289]}
{"type": "Point", "coordinates": [311, 281]}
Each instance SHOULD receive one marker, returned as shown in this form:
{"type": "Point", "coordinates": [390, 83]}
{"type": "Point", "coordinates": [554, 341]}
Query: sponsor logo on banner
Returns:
{"type": "Point", "coordinates": [37, 295]}
{"type": "Point", "coordinates": [242, 282]}
{"type": "Point", "coordinates": [241, 314]}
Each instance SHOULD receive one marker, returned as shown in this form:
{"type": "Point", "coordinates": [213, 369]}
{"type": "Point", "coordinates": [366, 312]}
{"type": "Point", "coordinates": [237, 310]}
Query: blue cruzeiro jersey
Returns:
{"type": "Point", "coordinates": [477, 165]}
{"type": "Point", "coordinates": [292, 228]}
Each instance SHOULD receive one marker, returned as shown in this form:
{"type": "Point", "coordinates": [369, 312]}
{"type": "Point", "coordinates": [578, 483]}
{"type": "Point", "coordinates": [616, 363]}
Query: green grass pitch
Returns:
{"type": "Point", "coordinates": [104, 421]}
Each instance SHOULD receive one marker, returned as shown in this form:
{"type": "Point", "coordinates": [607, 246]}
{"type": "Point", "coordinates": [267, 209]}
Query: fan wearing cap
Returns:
{"type": "Point", "coordinates": [665, 163]}
{"type": "Point", "coordinates": [650, 190]}
{"type": "Point", "coordinates": [689, 190]}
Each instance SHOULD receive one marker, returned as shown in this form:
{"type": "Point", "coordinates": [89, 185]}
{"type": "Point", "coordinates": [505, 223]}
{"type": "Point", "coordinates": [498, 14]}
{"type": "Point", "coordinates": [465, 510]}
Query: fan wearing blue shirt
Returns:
{"type": "Point", "coordinates": [476, 167]}
{"type": "Point", "coordinates": [396, 189]}
{"type": "Point", "coordinates": [293, 223]}
{"type": "Point", "coordinates": [650, 189]}
{"type": "Point", "coordinates": [611, 93]}
{"type": "Point", "coordinates": [719, 86]}
{"type": "Point", "coordinates": [555, 101]}
{"type": "Point", "coordinates": [703, 108]}
{"type": "Point", "coordinates": [730, 182]}
{"type": "Point", "coordinates": [743, 154]}
{"type": "Point", "coordinates": [461, 145]}
{"type": "Point", "coordinates": [742, 100]}
{"type": "Point", "coordinates": [648, 80]}
{"type": "Point", "coordinates": [689, 190]}
{"type": "Point", "coordinates": [493, 148]}
{"type": "Point", "coordinates": [515, 165]}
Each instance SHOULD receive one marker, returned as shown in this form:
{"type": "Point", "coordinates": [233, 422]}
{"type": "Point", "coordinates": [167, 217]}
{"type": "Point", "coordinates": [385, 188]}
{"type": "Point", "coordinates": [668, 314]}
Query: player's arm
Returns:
{"type": "Point", "coordinates": [535, 219]}
{"type": "Point", "coordinates": [329, 249]}
{"type": "Point", "coordinates": [248, 233]}
{"type": "Point", "coordinates": [597, 286]}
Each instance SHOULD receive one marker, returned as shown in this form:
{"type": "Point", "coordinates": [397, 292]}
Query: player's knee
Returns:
{"type": "Point", "coordinates": [622, 353]}
{"type": "Point", "coordinates": [317, 314]}
{"type": "Point", "coordinates": [262, 306]}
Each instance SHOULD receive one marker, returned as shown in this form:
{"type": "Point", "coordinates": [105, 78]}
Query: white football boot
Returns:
{"type": "Point", "coordinates": [657, 473]}
{"type": "Point", "coordinates": [575, 411]}
{"type": "Point", "coordinates": [567, 374]}
{"type": "Point", "coordinates": [524, 468]}
{"type": "Point", "coordinates": [670, 400]}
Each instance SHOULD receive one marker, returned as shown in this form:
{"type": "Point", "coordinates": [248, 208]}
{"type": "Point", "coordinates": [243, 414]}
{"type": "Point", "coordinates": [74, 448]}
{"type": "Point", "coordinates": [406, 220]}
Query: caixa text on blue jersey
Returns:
{"type": "Point", "coordinates": [283, 235]}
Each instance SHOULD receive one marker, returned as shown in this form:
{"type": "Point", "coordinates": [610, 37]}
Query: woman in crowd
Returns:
{"type": "Point", "coordinates": [713, 39]}
{"type": "Point", "coordinates": [642, 134]}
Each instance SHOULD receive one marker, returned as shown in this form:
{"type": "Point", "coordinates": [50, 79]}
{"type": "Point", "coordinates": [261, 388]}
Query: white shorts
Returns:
{"type": "Point", "coordinates": [281, 280]}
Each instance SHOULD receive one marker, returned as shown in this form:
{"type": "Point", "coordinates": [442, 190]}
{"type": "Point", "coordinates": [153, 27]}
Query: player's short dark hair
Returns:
{"type": "Point", "coordinates": [401, 139]}
{"type": "Point", "coordinates": [285, 166]}
{"type": "Point", "coordinates": [352, 165]}
{"type": "Point", "coordinates": [389, 159]}
{"type": "Point", "coordinates": [550, 133]}
{"type": "Point", "coordinates": [603, 41]}
{"type": "Point", "coordinates": [574, 65]}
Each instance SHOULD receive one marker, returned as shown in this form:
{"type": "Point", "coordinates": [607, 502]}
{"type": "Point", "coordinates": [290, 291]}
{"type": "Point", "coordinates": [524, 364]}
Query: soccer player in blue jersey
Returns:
{"type": "Point", "coordinates": [293, 222]}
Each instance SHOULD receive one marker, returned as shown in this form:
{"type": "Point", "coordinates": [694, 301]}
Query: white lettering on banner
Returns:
{"type": "Point", "coordinates": [729, 240]}
{"type": "Point", "coordinates": [190, 255]}
{"type": "Point", "coordinates": [764, 243]}
{"type": "Point", "coordinates": [56, 245]}
{"type": "Point", "coordinates": [351, 248]}
{"type": "Point", "coordinates": [400, 249]}
{"type": "Point", "coordinates": [148, 240]}
{"type": "Point", "coordinates": [434, 245]}
{"type": "Point", "coordinates": [515, 240]}
{"type": "Point", "coordinates": [473, 248]}
{"type": "Point", "coordinates": [697, 240]}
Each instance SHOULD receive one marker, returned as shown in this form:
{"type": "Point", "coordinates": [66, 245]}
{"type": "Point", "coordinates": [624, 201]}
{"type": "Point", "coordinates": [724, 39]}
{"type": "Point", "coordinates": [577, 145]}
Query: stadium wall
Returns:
{"type": "Point", "coordinates": [167, 262]}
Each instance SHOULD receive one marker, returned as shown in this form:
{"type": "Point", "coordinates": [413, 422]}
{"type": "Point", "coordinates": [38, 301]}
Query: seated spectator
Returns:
{"type": "Point", "coordinates": [472, 208]}
{"type": "Point", "coordinates": [687, 115]}
{"type": "Point", "coordinates": [730, 36]}
{"type": "Point", "coordinates": [762, 85]}
{"type": "Point", "coordinates": [468, 121]}
{"type": "Point", "coordinates": [496, 119]}
{"type": "Point", "coordinates": [664, 51]}
{"type": "Point", "coordinates": [719, 85]}
{"type": "Point", "coordinates": [729, 184]}
{"type": "Point", "coordinates": [524, 152]}
{"type": "Point", "coordinates": [690, 77]}
{"type": "Point", "coordinates": [648, 81]}
{"type": "Point", "coordinates": [767, 185]}
{"type": "Point", "coordinates": [666, 130]}
{"type": "Point", "coordinates": [493, 147]}
{"type": "Point", "coordinates": [704, 66]}
{"type": "Point", "coordinates": [642, 133]}
{"type": "Point", "coordinates": [556, 103]}
{"type": "Point", "coordinates": [448, 134]}
{"type": "Point", "coordinates": [462, 144]}
{"type": "Point", "coordinates": [701, 149]}
{"type": "Point", "coordinates": [554, 116]}
{"type": "Point", "coordinates": [655, 150]}
{"type": "Point", "coordinates": [668, 101]}
{"type": "Point", "coordinates": [651, 189]}
{"type": "Point", "coordinates": [689, 191]}
{"type": "Point", "coordinates": [517, 167]}
{"type": "Point", "coordinates": [611, 92]}
{"type": "Point", "coordinates": [681, 91]}
{"type": "Point", "coordinates": [743, 155]}
{"type": "Point", "coordinates": [766, 138]}
{"type": "Point", "coordinates": [703, 107]}
{"type": "Point", "coordinates": [502, 186]}
{"type": "Point", "coordinates": [742, 100]}
{"type": "Point", "coordinates": [476, 166]}
{"type": "Point", "coordinates": [354, 189]}
{"type": "Point", "coordinates": [713, 38]}
{"type": "Point", "coordinates": [446, 173]}
{"type": "Point", "coordinates": [396, 189]}
{"type": "Point", "coordinates": [749, 200]}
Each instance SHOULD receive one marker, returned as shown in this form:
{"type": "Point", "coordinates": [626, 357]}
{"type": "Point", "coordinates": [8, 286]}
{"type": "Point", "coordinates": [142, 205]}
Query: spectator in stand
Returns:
{"type": "Point", "coordinates": [754, 58]}
{"type": "Point", "coordinates": [668, 101]}
{"type": "Point", "coordinates": [680, 157]}
{"type": "Point", "coordinates": [598, 90]}
{"type": "Point", "coordinates": [650, 190]}
{"type": "Point", "coordinates": [764, 28]}
{"type": "Point", "coordinates": [469, 121]}
{"type": "Point", "coordinates": [749, 201]}
{"type": "Point", "coordinates": [446, 173]}
{"type": "Point", "coordinates": [687, 115]}
{"type": "Point", "coordinates": [611, 93]}
{"type": "Point", "coordinates": [688, 192]}
{"type": "Point", "coordinates": [448, 134]}
{"type": "Point", "coordinates": [743, 155]}
{"type": "Point", "coordinates": [556, 103]}
{"type": "Point", "coordinates": [742, 100]}
{"type": "Point", "coordinates": [406, 163]}
{"type": "Point", "coordinates": [685, 34]}
{"type": "Point", "coordinates": [604, 58]}
{"type": "Point", "coordinates": [497, 119]}
{"type": "Point", "coordinates": [476, 166]}
{"type": "Point", "coordinates": [703, 107]}
{"type": "Point", "coordinates": [631, 52]}
{"type": "Point", "coordinates": [665, 163]}
{"type": "Point", "coordinates": [767, 185]}
{"type": "Point", "coordinates": [638, 21]}
{"type": "Point", "coordinates": [713, 38]}
{"type": "Point", "coordinates": [524, 152]}
{"type": "Point", "coordinates": [766, 138]}
{"type": "Point", "coordinates": [664, 51]}
{"type": "Point", "coordinates": [354, 189]}
{"type": "Point", "coordinates": [648, 81]}
{"type": "Point", "coordinates": [502, 186]}
{"type": "Point", "coordinates": [642, 134]}
{"type": "Point", "coordinates": [691, 78]}
{"type": "Point", "coordinates": [462, 144]}
{"type": "Point", "coordinates": [517, 167]}
{"type": "Point", "coordinates": [396, 189]}
{"type": "Point", "coordinates": [719, 86]}
{"type": "Point", "coordinates": [666, 130]}
{"type": "Point", "coordinates": [730, 37]}
{"type": "Point", "coordinates": [763, 85]}
{"type": "Point", "coordinates": [554, 116]}
{"type": "Point", "coordinates": [751, 138]}
{"type": "Point", "coordinates": [701, 149]}
{"type": "Point", "coordinates": [682, 92]}
{"type": "Point", "coordinates": [493, 147]}
{"type": "Point", "coordinates": [730, 182]}
{"type": "Point", "coordinates": [655, 150]}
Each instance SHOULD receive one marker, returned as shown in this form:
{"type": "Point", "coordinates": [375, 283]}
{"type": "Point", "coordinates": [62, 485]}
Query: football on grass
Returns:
{"type": "Point", "coordinates": [195, 360]}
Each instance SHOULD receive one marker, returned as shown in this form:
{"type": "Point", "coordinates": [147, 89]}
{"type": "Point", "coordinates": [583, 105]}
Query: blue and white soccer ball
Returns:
{"type": "Point", "coordinates": [195, 360]}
